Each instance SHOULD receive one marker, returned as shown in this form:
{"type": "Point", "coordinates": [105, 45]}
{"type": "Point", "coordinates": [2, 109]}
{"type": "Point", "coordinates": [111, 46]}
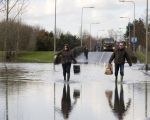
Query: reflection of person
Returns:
{"type": "Point", "coordinates": [66, 102]}
{"type": "Point", "coordinates": [119, 56]}
{"type": "Point", "coordinates": [119, 107]}
{"type": "Point", "coordinates": [66, 105]}
{"type": "Point", "coordinates": [86, 52]}
{"type": "Point", "coordinates": [66, 59]}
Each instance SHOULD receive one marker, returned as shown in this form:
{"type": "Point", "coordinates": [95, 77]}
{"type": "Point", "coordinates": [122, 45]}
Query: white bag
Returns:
{"type": "Point", "coordinates": [108, 69]}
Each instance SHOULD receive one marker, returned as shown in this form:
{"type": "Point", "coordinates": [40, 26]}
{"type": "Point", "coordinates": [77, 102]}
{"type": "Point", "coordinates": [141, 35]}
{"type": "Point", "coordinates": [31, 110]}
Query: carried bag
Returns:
{"type": "Point", "coordinates": [76, 69]}
{"type": "Point", "coordinates": [108, 69]}
{"type": "Point", "coordinates": [57, 59]}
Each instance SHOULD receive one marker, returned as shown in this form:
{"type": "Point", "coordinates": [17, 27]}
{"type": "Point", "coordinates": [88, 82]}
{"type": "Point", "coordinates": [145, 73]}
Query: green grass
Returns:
{"type": "Point", "coordinates": [141, 57]}
{"type": "Point", "coordinates": [36, 56]}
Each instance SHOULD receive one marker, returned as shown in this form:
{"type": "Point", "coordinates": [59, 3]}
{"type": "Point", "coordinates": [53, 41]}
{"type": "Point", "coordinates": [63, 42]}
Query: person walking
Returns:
{"type": "Point", "coordinates": [119, 56]}
{"type": "Point", "coordinates": [86, 52]}
{"type": "Point", "coordinates": [66, 57]}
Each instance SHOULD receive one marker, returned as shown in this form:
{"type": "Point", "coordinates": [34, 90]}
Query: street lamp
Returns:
{"type": "Point", "coordinates": [55, 34]}
{"type": "Point", "coordinates": [134, 20]}
{"type": "Point", "coordinates": [90, 34]}
{"type": "Point", "coordinates": [55, 30]}
{"type": "Point", "coordinates": [146, 56]}
{"type": "Point", "coordinates": [82, 22]}
{"type": "Point", "coordinates": [129, 29]}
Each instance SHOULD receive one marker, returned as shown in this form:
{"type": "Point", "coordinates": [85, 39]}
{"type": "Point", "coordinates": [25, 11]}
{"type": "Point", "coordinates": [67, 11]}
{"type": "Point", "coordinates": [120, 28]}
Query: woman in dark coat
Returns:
{"type": "Point", "coordinates": [66, 60]}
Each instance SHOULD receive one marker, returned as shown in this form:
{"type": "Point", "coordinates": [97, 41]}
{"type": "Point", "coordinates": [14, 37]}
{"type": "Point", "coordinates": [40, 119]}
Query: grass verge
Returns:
{"type": "Point", "coordinates": [36, 56]}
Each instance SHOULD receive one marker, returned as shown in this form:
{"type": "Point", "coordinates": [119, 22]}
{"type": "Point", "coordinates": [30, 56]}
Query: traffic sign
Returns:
{"type": "Point", "coordinates": [134, 40]}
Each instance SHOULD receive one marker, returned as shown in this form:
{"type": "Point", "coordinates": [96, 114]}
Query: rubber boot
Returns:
{"type": "Point", "coordinates": [68, 77]}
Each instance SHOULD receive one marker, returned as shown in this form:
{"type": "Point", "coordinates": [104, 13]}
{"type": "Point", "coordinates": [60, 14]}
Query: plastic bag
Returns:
{"type": "Point", "coordinates": [108, 69]}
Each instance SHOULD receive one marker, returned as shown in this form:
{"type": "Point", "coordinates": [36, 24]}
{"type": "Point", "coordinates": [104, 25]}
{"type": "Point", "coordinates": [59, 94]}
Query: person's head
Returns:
{"type": "Point", "coordinates": [121, 45]}
{"type": "Point", "coordinates": [66, 47]}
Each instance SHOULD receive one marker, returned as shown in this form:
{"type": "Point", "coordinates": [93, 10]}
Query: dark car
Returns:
{"type": "Point", "coordinates": [107, 44]}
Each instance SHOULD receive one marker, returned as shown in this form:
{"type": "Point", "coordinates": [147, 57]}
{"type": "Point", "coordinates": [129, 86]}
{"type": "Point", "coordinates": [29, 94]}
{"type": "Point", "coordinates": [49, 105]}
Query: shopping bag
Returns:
{"type": "Point", "coordinates": [108, 69]}
{"type": "Point", "coordinates": [57, 59]}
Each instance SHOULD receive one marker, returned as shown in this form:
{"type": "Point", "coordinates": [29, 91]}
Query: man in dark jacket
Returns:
{"type": "Point", "coordinates": [66, 60]}
{"type": "Point", "coordinates": [119, 56]}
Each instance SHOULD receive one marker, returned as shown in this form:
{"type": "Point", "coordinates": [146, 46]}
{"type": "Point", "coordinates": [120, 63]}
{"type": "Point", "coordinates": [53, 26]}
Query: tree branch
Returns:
{"type": "Point", "coordinates": [20, 10]}
{"type": "Point", "coordinates": [13, 6]}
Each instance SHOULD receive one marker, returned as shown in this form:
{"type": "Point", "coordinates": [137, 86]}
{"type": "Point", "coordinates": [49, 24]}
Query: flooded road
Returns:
{"type": "Point", "coordinates": [34, 91]}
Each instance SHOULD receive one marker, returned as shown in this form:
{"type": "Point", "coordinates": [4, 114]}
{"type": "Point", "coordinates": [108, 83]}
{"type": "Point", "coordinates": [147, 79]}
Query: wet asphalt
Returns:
{"type": "Point", "coordinates": [35, 91]}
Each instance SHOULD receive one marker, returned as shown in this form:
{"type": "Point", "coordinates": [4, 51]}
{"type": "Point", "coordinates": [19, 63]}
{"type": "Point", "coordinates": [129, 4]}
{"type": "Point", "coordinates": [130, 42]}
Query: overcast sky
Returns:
{"type": "Point", "coordinates": [106, 12]}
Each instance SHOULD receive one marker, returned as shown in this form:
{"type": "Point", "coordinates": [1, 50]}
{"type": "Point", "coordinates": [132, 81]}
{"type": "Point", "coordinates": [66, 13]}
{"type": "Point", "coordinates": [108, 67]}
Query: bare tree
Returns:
{"type": "Point", "coordinates": [11, 9]}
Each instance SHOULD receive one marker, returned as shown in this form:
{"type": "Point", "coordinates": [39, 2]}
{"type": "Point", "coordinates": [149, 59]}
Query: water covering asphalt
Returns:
{"type": "Point", "coordinates": [35, 91]}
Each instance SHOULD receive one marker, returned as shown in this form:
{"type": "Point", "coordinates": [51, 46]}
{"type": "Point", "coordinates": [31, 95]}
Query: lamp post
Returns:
{"type": "Point", "coordinates": [82, 23]}
{"type": "Point", "coordinates": [90, 35]}
{"type": "Point", "coordinates": [55, 34]}
{"type": "Point", "coordinates": [55, 30]}
{"type": "Point", "coordinates": [129, 30]}
{"type": "Point", "coordinates": [134, 20]}
{"type": "Point", "coordinates": [146, 56]}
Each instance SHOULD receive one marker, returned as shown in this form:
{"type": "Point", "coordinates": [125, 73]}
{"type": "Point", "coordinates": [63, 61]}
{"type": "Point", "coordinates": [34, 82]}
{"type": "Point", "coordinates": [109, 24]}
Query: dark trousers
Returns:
{"type": "Point", "coordinates": [66, 70]}
{"type": "Point", "coordinates": [86, 55]}
{"type": "Point", "coordinates": [121, 67]}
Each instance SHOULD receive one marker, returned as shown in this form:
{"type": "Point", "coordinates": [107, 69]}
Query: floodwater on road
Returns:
{"type": "Point", "coordinates": [34, 91]}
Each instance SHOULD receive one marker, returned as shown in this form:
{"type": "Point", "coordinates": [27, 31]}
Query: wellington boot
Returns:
{"type": "Point", "coordinates": [68, 77]}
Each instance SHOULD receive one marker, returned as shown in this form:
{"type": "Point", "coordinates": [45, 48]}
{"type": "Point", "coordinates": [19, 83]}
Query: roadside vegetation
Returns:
{"type": "Point", "coordinates": [141, 56]}
{"type": "Point", "coordinates": [36, 56]}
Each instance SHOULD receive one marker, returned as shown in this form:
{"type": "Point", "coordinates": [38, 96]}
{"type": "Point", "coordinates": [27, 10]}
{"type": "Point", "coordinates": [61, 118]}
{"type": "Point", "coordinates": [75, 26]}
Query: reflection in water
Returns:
{"type": "Point", "coordinates": [66, 105]}
{"type": "Point", "coordinates": [119, 107]}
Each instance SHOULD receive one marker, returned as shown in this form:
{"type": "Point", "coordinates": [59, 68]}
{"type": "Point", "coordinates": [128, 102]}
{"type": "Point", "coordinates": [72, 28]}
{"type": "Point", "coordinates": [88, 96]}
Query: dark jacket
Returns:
{"type": "Point", "coordinates": [119, 57]}
{"type": "Point", "coordinates": [66, 56]}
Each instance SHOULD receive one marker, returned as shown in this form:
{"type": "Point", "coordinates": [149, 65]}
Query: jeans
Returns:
{"type": "Point", "coordinates": [121, 67]}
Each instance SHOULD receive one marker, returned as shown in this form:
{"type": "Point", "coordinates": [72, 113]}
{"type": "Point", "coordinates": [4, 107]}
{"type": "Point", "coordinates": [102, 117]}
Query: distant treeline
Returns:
{"type": "Point", "coordinates": [17, 36]}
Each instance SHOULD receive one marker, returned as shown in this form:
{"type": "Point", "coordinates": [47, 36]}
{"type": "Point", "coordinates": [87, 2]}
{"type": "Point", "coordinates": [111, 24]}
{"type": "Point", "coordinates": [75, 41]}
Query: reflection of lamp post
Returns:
{"type": "Point", "coordinates": [82, 22]}
{"type": "Point", "coordinates": [146, 99]}
{"type": "Point", "coordinates": [129, 29]}
{"type": "Point", "coordinates": [146, 56]}
{"type": "Point", "coordinates": [90, 34]}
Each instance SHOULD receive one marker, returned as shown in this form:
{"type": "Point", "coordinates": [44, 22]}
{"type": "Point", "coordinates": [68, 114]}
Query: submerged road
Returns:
{"type": "Point", "coordinates": [95, 57]}
{"type": "Point", "coordinates": [34, 91]}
